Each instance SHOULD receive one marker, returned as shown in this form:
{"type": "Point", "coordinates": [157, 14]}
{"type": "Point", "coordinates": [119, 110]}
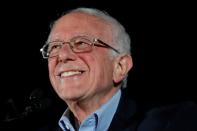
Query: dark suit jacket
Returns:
{"type": "Point", "coordinates": [133, 117]}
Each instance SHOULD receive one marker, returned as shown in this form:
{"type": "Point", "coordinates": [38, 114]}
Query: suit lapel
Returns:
{"type": "Point", "coordinates": [126, 117]}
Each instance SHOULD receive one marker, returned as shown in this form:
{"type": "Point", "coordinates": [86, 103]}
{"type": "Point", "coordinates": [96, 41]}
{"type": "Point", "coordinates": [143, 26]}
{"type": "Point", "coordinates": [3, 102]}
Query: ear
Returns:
{"type": "Point", "coordinates": [122, 65]}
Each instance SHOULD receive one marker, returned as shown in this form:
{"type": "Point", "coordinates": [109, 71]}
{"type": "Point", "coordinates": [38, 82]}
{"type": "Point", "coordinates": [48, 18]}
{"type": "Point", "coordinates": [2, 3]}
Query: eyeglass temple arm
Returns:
{"type": "Point", "coordinates": [106, 45]}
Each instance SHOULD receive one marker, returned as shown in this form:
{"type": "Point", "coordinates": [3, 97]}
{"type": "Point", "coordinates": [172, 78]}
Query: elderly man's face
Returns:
{"type": "Point", "coordinates": [79, 76]}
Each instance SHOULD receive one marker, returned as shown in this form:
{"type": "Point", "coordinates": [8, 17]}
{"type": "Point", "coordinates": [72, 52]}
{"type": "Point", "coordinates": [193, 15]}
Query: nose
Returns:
{"type": "Point", "coordinates": [66, 54]}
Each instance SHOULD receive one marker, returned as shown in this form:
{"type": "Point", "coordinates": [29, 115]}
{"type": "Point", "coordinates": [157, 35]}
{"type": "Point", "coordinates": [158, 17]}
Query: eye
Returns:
{"type": "Point", "coordinates": [81, 44]}
{"type": "Point", "coordinates": [54, 47]}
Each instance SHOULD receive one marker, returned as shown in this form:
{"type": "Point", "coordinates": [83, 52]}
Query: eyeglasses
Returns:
{"type": "Point", "coordinates": [79, 44]}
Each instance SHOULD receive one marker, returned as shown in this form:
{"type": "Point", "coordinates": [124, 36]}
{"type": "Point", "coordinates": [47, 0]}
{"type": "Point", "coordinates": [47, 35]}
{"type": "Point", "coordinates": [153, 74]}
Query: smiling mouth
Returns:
{"type": "Point", "coordinates": [70, 73]}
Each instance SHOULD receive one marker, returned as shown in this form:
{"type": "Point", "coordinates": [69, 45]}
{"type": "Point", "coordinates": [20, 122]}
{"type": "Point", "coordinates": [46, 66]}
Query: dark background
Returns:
{"type": "Point", "coordinates": [163, 52]}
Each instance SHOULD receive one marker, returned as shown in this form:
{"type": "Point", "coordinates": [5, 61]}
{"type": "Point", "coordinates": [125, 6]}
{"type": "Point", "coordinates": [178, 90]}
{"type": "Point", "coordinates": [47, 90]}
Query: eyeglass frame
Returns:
{"type": "Point", "coordinates": [93, 43]}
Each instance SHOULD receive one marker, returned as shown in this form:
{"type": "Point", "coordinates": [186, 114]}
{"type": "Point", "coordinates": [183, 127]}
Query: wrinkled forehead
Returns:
{"type": "Point", "coordinates": [78, 23]}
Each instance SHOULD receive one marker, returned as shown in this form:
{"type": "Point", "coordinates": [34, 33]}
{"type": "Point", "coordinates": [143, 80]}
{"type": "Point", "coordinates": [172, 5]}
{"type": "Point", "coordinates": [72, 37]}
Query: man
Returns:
{"type": "Point", "coordinates": [89, 58]}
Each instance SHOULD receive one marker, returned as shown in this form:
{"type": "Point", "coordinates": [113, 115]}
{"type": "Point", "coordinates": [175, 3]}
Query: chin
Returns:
{"type": "Point", "coordinates": [70, 97]}
{"type": "Point", "coordinates": [70, 93]}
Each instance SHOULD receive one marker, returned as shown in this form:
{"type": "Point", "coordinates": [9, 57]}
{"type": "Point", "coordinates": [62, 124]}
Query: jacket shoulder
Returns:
{"type": "Point", "coordinates": [176, 117]}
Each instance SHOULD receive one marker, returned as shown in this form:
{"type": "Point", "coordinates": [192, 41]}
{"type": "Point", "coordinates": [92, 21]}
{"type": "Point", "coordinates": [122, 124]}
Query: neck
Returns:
{"type": "Point", "coordinates": [83, 108]}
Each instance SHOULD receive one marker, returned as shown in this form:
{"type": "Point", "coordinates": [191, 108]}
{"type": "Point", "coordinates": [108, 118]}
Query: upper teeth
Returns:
{"type": "Point", "coordinates": [70, 73]}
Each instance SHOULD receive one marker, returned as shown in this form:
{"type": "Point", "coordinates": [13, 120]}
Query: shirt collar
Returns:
{"type": "Point", "coordinates": [64, 121]}
{"type": "Point", "coordinates": [101, 117]}
{"type": "Point", "coordinates": [107, 111]}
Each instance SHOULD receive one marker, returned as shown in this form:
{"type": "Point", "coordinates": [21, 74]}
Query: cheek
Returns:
{"type": "Point", "coordinates": [51, 68]}
{"type": "Point", "coordinates": [100, 68]}
{"type": "Point", "coordinates": [52, 64]}
{"type": "Point", "coordinates": [93, 64]}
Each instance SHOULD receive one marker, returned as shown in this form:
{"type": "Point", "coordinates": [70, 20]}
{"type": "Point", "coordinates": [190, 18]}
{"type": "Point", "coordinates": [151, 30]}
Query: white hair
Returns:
{"type": "Point", "coordinates": [120, 37]}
